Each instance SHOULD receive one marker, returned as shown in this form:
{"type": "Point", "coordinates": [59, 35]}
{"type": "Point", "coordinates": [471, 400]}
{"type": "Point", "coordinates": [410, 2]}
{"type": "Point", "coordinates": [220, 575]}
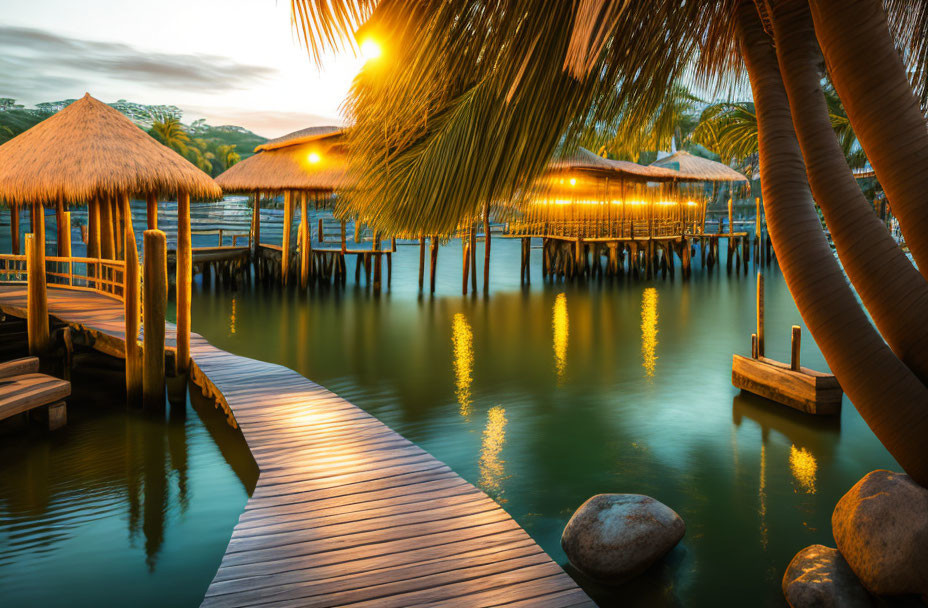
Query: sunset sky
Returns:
{"type": "Point", "coordinates": [229, 61]}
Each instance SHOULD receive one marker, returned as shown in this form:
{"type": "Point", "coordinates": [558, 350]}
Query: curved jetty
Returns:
{"type": "Point", "coordinates": [346, 511]}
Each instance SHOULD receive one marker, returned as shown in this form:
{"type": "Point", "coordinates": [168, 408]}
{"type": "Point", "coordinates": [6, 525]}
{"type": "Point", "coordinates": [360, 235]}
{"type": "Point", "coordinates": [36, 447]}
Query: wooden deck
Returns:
{"type": "Point", "coordinates": [346, 511]}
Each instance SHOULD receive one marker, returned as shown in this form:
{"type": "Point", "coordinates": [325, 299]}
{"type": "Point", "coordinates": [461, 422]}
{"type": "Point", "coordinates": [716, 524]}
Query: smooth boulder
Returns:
{"type": "Point", "coordinates": [818, 577]}
{"type": "Point", "coordinates": [614, 537]}
{"type": "Point", "coordinates": [881, 529]}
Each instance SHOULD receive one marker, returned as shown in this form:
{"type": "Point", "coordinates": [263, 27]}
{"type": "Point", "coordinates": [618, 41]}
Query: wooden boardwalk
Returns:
{"type": "Point", "coordinates": [346, 512]}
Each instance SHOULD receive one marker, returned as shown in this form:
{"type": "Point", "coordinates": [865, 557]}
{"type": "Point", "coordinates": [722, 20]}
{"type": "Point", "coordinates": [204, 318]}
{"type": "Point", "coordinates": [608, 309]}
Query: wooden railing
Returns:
{"type": "Point", "coordinates": [93, 274]}
{"type": "Point", "coordinates": [223, 233]}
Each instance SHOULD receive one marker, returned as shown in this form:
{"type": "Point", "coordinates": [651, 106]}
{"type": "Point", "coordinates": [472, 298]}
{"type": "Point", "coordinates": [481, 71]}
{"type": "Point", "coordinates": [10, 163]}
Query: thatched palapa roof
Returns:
{"type": "Point", "coordinates": [88, 151]}
{"type": "Point", "coordinates": [286, 163]}
{"type": "Point", "coordinates": [586, 162]}
{"type": "Point", "coordinates": [696, 168]}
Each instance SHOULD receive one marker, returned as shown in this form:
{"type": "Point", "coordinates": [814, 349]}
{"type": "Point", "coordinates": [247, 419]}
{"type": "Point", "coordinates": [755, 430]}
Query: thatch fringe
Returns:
{"type": "Point", "coordinates": [89, 151]}
{"type": "Point", "coordinates": [696, 168]}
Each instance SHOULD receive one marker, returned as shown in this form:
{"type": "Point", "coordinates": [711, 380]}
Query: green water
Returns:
{"type": "Point", "coordinates": [546, 396]}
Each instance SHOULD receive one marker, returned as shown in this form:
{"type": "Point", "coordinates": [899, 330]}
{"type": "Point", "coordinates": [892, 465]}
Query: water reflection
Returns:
{"type": "Point", "coordinates": [232, 319]}
{"type": "Point", "coordinates": [463, 340]}
{"type": "Point", "coordinates": [803, 467]}
{"type": "Point", "coordinates": [762, 494]}
{"type": "Point", "coordinates": [560, 324]}
{"type": "Point", "coordinates": [492, 467]}
{"type": "Point", "coordinates": [649, 331]}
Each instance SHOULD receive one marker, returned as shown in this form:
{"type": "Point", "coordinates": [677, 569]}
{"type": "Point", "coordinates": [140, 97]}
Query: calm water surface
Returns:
{"type": "Point", "coordinates": [542, 397]}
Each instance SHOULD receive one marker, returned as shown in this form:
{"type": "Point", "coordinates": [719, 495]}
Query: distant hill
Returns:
{"type": "Point", "coordinates": [15, 118]}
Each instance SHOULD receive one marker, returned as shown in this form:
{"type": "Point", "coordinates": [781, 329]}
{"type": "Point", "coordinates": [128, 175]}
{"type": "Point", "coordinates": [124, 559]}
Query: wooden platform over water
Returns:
{"type": "Point", "coordinates": [346, 511]}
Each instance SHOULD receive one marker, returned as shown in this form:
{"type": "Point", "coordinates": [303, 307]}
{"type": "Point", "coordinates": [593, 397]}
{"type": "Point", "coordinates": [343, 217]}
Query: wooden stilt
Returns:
{"type": "Point", "coordinates": [465, 262]}
{"type": "Point", "coordinates": [131, 308]}
{"type": "Point", "coordinates": [256, 221]}
{"type": "Point", "coordinates": [14, 228]}
{"type": "Point", "coordinates": [64, 249]}
{"type": "Point", "coordinates": [93, 243]}
{"type": "Point", "coordinates": [107, 242]}
{"type": "Point", "coordinates": [305, 251]}
{"type": "Point", "coordinates": [285, 247]}
{"type": "Point", "coordinates": [184, 280]}
{"type": "Point", "coordinates": [486, 250]}
{"type": "Point", "coordinates": [528, 259]}
{"type": "Point", "coordinates": [760, 314]}
{"type": "Point", "coordinates": [796, 340]}
{"type": "Point", "coordinates": [60, 226]}
{"type": "Point", "coordinates": [378, 263]}
{"type": "Point", "coordinates": [154, 307]}
{"type": "Point", "coordinates": [433, 263]}
{"type": "Point", "coordinates": [421, 261]}
{"type": "Point", "coordinates": [472, 248]}
{"type": "Point", "coordinates": [119, 235]}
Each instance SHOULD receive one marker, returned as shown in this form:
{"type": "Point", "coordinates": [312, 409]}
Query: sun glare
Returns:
{"type": "Point", "coordinates": [370, 50]}
{"type": "Point", "coordinates": [313, 158]}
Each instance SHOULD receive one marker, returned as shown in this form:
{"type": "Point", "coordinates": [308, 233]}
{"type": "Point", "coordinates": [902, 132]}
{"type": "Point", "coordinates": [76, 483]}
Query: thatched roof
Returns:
{"type": "Point", "coordinates": [287, 165]}
{"type": "Point", "coordinates": [696, 168]}
{"type": "Point", "coordinates": [300, 137]}
{"type": "Point", "coordinates": [585, 161]}
{"type": "Point", "coordinates": [88, 151]}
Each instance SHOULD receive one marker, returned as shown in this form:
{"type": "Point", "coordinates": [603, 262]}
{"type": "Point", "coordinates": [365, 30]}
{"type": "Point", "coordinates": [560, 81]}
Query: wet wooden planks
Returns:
{"type": "Point", "coordinates": [346, 511]}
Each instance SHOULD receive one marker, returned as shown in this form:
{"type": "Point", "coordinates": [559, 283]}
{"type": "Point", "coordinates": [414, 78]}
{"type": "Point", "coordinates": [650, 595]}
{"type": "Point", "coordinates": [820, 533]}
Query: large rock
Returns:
{"type": "Point", "coordinates": [613, 537]}
{"type": "Point", "coordinates": [818, 577]}
{"type": "Point", "coordinates": [881, 529]}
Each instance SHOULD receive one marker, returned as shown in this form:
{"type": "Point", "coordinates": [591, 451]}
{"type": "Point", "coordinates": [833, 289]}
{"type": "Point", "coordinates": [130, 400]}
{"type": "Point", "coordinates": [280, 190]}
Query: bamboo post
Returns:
{"type": "Point", "coordinates": [486, 250]}
{"type": "Point", "coordinates": [59, 226]}
{"type": "Point", "coordinates": [760, 314]}
{"type": "Point", "coordinates": [154, 307]}
{"type": "Point", "coordinates": [94, 219]}
{"type": "Point", "coordinates": [183, 280]}
{"type": "Point", "coordinates": [36, 293]}
{"type": "Point", "coordinates": [421, 261]}
{"type": "Point", "coordinates": [131, 303]}
{"type": "Point", "coordinates": [14, 228]}
{"type": "Point", "coordinates": [731, 225]}
{"type": "Point", "coordinates": [285, 246]}
{"type": "Point", "coordinates": [378, 263]}
{"type": "Point", "coordinates": [473, 258]}
{"type": "Point", "coordinates": [794, 348]}
{"type": "Point", "coordinates": [151, 211]}
{"type": "Point", "coordinates": [433, 263]}
{"type": "Point", "coordinates": [304, 245]}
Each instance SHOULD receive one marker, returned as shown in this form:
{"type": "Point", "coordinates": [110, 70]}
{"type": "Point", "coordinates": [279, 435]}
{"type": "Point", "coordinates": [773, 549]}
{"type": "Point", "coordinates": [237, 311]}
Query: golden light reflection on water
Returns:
{"type": "Point", "coordinates": [649, 331]}
{"type": "Point", "coordinates": [561, 334]}
{"type": "Point", "coordinates": [762, 495]}
{"type": "Point", "coordinates": [232, 319]}
{"type": "Point", "coordinates": [492, 467]}
{"type": "Point", "coordinates": [803, 466]}
{"type": "Point", "coordinates": [463, 340]}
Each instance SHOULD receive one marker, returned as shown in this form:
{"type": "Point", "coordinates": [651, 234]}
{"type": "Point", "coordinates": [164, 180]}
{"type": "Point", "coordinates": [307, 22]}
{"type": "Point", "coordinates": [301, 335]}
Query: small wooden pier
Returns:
{"type": "Point", "coordinates": [346, 511]}
{"type": "Point", "coordinates": [24, 389]}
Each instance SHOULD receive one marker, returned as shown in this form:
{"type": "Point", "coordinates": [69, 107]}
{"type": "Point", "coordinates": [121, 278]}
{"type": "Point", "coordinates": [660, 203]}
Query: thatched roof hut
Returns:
{"type": "Point", "coordinates": [309, 160]}
{"type": "Point", "coordinates": [90, 151]}
{"type": "Point", "coordinates": [696, 168]}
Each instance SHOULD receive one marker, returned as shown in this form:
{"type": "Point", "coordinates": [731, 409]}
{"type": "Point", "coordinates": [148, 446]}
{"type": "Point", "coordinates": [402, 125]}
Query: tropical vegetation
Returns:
{"type": "Point", "coordinates": [471, 99]}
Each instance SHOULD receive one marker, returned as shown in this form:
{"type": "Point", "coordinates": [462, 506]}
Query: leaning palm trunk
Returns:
{"type": "Point", "coordinates": [890, 286]}
{"type": "Point", "coordinates": [892, 401]}
{"type": "Point", "coordinates": [870, 78]}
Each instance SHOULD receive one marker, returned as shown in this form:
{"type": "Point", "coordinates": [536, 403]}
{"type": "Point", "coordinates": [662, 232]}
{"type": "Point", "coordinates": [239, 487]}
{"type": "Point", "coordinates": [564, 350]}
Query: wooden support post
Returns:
{"type": "Point", "coordinates": [794, 348]}
{"type": "Point", "coordinates": [528, 259]}
{"type": "Point", "coordinates": [154, 307]}
{"type": "Point", "coordinates": [731, 216]}
{"type": "Point", "coordinates": [305, 252]}
{"type": "Point", "coordinates": [119, 236]}
{"type": "Point", "coordinates": [93, 241]}
{"type": "Point", "coordinates": [344, 236]}
{"type": "Point", "coordinates": [60, 226]}
{"type": "Point", "coordinates": [131, 308]}
{"type": "Point", "coordinates": [36, 294]}
{"type": "Point", "coordinates": [760, 314]}
{"type": "Point", "coordinates": [14, 228]}
{"type": "Point", "coordinates": [433, 263]}
{"type": "Point", "coordinates": [465, 262]}
{"type": "Point", "coordinates": [107, 244]}
{"type": "Point", "coordinates": [378, 263]}
{"type": "Point", "coordinates": [256, 221]}
{"type": "Point", "coordinates": [64, 249]}
{"type": "Point", "coordinates": [753, 346]}
{"type": "Point", "coordinates": [486, 250]}
{"type": "Point", "coordinates": [320, 232]}
{"type": "Point", "coordinates": [285, 247]}
{"type": "Point", "coordinates": [151, 211]}
{"type": "Point", "coordinates": [184, 280]}
{"type": "Point", "coordinates": [473, 258]}
{"type": "Point", "coordinates": [421, 261]}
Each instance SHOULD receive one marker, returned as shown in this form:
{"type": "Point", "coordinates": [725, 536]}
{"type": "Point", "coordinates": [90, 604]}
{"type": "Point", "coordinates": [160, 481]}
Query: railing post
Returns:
{"type": "Point", "coordinates": [130, 294]}
{"type": "Point", "coordinates": [155, 292]}
{"type": "Point", "coordinates": [183, 280]}
{"type": "Point", "coordinates": [36, 293]}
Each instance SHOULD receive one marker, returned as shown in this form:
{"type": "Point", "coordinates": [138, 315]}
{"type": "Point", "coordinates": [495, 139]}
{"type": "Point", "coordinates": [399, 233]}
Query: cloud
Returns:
{"type": "Point", "coordinates": [33, 62]}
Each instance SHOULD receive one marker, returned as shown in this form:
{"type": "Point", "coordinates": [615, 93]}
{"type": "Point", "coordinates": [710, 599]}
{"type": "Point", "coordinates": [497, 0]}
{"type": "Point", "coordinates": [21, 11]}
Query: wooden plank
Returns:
{"type": "Point", "coordinates": [806, 390]}
{"type": "Point", "coordinates": [26, 365]}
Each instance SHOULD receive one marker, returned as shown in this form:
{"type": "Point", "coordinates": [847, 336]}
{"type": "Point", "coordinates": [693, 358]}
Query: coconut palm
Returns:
{"type": "Point", "coordinates": [475, 97]}
{"type": "Point", "coordinates": [227, 156]}
{"type": "Point", "coordinates": [169, 131]}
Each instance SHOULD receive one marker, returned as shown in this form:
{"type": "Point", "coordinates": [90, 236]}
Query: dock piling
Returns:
{"type": "Point", "coordinates": [36, 294]}
{"type": "Point", "coordinates": [184, 278]}
{"type": "Point", "coordinates": [795, 342]}
{"type": "Point", "coordinates": [130, 290]}
{"type": "Point", "coordinates": [760, 314]}
{"type": "Point", "coordinates": [154, 307]}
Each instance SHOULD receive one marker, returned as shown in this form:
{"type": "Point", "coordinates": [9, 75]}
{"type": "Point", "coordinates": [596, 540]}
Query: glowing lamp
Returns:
{"type": "Point", "coordinates": [313, 158]}
{"type": "Point", "coordinates": [573, 181]}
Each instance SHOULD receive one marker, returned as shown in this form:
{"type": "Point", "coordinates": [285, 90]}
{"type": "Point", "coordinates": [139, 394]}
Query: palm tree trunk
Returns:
{"type": "Point", "coordinates": [892, 401]}
{"type": "Point", "coordinates": [870, 78]}
{"type": "Point", "coordinates": [890, 286]}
